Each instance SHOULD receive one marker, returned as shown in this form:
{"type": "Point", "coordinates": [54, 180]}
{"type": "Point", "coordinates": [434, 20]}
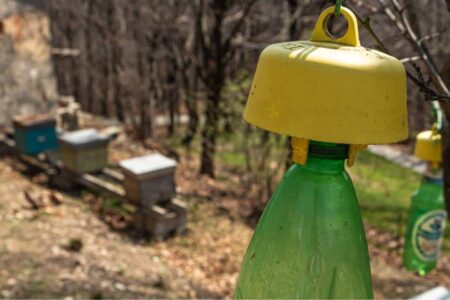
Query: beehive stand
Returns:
{"type": "Point", "coordinates": [149, 183]}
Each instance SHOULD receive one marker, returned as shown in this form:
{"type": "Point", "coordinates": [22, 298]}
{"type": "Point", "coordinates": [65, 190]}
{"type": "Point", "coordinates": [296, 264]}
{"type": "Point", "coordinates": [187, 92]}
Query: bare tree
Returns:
{"type": "Point", "coordinates": [138, 59]}
{"type": "Point", "coordinates": [216, 50]}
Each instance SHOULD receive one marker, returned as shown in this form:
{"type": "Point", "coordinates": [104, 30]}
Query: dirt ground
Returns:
{"type": "Point", "coordinates": [67, 249]}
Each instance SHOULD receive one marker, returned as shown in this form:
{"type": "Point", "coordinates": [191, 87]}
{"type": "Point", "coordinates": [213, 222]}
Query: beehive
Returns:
{"type": "Point", "coordinates": [35, 134]}
{"type": "Point", "coordinates": [162, 220]}
{"type": "Point", "coordinates": [84, 151]}
{"type": "Point", "coordinates": [149, 179]}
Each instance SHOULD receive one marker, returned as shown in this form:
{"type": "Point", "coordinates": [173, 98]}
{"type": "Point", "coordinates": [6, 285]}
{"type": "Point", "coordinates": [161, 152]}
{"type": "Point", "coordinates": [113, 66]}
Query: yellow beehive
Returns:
{"type": "Point", "coordinates": [84, 151]}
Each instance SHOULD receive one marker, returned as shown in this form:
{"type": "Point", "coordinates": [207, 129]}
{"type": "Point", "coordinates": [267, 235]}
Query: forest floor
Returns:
{"type": "Point", "coordinates": [75, 246]}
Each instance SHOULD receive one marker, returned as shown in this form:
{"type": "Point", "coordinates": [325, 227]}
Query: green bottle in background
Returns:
{"type": "Point", "coordinates": [427, 214]}
{"type": "Point", "coordinates": [310, 241]}
{"type": "Point", "coordinates": [426, 224]}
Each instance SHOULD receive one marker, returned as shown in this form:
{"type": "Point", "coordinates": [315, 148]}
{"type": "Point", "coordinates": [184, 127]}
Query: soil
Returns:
{"type": "Point", "coordinates": [66, 247]}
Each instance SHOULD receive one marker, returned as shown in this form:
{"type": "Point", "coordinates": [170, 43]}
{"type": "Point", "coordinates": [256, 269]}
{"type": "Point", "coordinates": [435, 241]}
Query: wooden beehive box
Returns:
{"type": "Point", "coordinates": [162, 220]}
{"type": "Point", "coordinates": [84, 151]}
{"type": "Point", "coordinates": [149, 179]}
{"type": "Point", "coordinates": [35, 134]}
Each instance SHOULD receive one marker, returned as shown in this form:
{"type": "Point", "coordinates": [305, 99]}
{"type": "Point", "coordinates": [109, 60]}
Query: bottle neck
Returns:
{"type": "Point", "coordinates": [437, 180]}
{"type": "Point", "coordinates": [433, 170]}
{"type": "Point", "coordinates": [324, 165]}
{"type": "Point", "coordinates": [326, 157]}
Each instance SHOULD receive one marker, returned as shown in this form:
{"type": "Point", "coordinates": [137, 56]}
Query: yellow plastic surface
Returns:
{"type": "Point", "coordinates": [330, 90]}
{"type": "Point", "coordinates": [429, 146]}
{"type": "Point", "coordinates": [300, 149]}
{"type": "Point", "coordinates": [351, 37]}
{"type": "Point", "coordinates": [352, 152]}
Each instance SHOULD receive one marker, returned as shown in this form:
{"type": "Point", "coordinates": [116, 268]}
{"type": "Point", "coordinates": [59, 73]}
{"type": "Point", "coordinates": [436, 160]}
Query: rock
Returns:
{"type": "Point", "coordinates": [120, 286]}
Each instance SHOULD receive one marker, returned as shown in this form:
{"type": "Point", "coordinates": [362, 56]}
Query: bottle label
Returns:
{"type": "Point", "coordinates": [427, 234]}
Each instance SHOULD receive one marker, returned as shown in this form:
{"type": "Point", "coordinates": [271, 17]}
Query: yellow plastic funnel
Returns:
{"type": "Point", "coordinates": [330, 89]}
{"type": "Point", "coordinates": [429, 146]}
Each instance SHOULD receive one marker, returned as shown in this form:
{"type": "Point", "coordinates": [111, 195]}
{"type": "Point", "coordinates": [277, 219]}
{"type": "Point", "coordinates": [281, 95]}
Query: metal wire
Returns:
{"type": "Point", "coordinates": [337, 8]}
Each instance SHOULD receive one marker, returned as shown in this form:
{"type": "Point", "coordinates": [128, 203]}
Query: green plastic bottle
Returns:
{"type": "Point", "coordinates": [426, 225]}
{"type": "Point", "coordinates": [310, 241]}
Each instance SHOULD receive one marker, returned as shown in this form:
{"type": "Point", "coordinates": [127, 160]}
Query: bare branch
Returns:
{"type": "Point", "coordinates": [410, 59]}
{"type": "Point", "coordinates": [238, 25]}
{"type": "Point", "coordinates": [406, 30]}
{"type": "Point", "coordinates": [431, 36]}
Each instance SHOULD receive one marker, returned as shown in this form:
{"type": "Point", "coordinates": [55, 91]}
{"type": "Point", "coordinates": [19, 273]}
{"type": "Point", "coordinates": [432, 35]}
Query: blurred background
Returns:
{"type": "Point", "coordinates": [172, 77]}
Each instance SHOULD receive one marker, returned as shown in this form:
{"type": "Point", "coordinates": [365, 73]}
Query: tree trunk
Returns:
{"type": "Point", "coordinates": [191, 105]}
{"type": "Point", "coordinates": [209, 134]}
{"type": "Point", "coordinates": [216, 70]}
{"type": "Point", "coordinates": [446, 138]}
{"type": "Point", "coordinates": [172, 96]}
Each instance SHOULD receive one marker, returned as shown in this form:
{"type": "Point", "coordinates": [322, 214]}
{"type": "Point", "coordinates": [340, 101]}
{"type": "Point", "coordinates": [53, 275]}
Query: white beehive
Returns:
{"type": "Point", "coordinates": [149, 179]}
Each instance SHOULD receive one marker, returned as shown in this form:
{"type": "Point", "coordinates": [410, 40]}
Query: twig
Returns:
{"type": "Point", "coordinates": [431, 36]}
{"type": "Point", "coordinates": [410, 59]}
{"type": "Point", "coordinates": [246, 10]}
{"type": "Point", "coordinates": [55, 198]}
{"type": "Point", "coordinates": [423, 51]}
{"type": "Point", "coordinates": [35, 204]}
{"type": "Point", "coordinates": [404, 27]}
{"type": "Point", "coordinates": [65, 52]}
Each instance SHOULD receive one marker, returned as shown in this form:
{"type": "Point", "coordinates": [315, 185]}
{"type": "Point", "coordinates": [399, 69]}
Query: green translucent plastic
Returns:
{"type": "Point", "coordinates": [310, 241]}
{"type": "Point", "coordinates": [425, 227]}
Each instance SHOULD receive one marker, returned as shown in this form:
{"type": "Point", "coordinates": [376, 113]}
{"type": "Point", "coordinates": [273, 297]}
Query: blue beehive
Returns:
{"type": "Point", "coordinates": [35, 134]}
